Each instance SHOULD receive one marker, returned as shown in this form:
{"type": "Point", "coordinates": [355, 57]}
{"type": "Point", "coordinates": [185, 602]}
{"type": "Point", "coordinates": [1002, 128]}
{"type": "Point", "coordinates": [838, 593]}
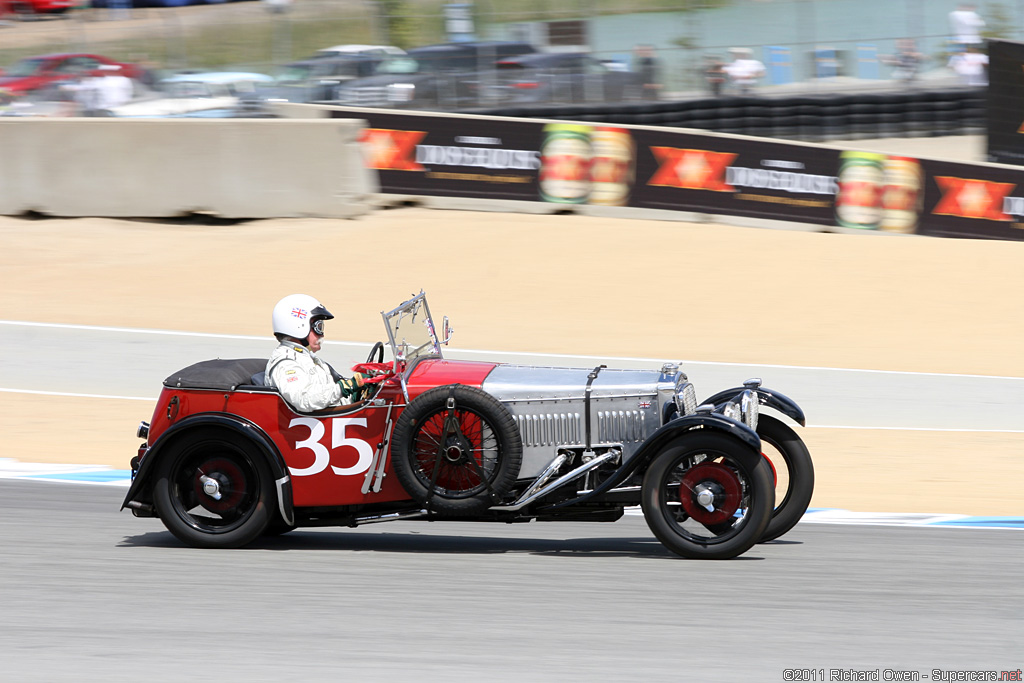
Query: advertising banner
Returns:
{"type": "Point", "coordinates": [578, 163]}
{"type": "Point", "coordinates": [736, 176]}
{"type": "Point", "coordinates": [965, 200]}
{"type": "Point", "coordinates": [451, 156]}
{"type": "Point", "coordinates": [601, 164]}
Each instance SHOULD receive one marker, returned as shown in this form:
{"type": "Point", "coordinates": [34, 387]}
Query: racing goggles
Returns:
{"type": "Point", "coordinates": [318, 326]}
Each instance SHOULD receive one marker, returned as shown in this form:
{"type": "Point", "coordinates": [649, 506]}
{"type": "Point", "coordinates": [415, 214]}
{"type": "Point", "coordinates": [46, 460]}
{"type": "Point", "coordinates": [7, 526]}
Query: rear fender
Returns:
{"type": "Point", "coordinates": [664, 437]}
{"type": "Point", "coordinates": [765, 397]}
{"type": "Point", "coordinates": [140, 491]}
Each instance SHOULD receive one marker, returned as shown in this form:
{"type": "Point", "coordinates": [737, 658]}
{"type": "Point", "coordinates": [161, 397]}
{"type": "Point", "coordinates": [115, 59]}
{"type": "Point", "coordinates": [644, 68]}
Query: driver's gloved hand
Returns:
{"type": "Point", "coordinates": [351, 386]}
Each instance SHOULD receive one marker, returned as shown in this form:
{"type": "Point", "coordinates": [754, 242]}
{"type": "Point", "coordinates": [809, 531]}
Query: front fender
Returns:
{"type": "Point", "coordinates": [662, 438]}
{"type": "Point", "coordinates": [766, 397]}
{"type": "Point", "coordinates": [141, 485]}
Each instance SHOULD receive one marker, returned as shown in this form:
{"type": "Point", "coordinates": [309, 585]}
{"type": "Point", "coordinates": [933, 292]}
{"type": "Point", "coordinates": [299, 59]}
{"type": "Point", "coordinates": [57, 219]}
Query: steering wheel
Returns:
{"type": "Point", "coordinates": [375, 372]}
{"type": "Point", "coordinates": [378, 349]}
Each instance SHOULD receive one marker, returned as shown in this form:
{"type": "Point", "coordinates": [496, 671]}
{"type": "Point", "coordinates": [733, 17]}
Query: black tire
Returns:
{"type": "Point", "coordinates": [277, 526]}
{"type": "Point", "coordinates": [242, 480]}
{"type": "Point", "coordinates": [739, 481]}
{"type": "Point", "coordinates": [795, 485]}
{"type": "Point", "coordinates": [424, 451]}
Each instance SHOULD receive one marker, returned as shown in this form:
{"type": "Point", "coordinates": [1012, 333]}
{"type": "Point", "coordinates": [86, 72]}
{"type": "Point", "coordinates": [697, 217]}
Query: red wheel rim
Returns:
{"type": "Point", "coordinates": [775, 474]}
{"type": "Point", "coordinates": [454, 474]}
{"type": "Point", "coordinates": [717, 480]}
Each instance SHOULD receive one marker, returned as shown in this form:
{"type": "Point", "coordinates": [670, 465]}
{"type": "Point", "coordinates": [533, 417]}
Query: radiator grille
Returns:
{"type": "Point", "coordinates": [367, 96]}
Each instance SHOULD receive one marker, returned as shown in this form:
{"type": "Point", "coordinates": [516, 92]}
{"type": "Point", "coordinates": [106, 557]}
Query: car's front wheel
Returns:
{"type": "Point", "coordinates": [794, 475]}
{"type": "Point", "coordinates": [708, 497]}
{"type": "Point", "coordinates": [213, 489]}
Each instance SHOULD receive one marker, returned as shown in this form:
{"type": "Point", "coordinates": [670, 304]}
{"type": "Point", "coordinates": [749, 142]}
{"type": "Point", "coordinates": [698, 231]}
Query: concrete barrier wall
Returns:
{"type": "Point", "coordinates": [234, 168]}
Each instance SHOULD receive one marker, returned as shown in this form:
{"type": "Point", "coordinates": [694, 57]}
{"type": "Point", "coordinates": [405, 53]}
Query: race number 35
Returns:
{"type": "Point", "coordinates": [321, 454]}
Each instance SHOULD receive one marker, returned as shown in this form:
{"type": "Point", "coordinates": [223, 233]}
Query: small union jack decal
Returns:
{"type": "Point", "coordinates": [299, 313]}
{"type": "Point", "coordinates": [643, 403]}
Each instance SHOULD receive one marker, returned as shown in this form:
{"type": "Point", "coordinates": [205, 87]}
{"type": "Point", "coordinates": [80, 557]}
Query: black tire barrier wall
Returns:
{"type": "Point", "coordinates": [812, 118]}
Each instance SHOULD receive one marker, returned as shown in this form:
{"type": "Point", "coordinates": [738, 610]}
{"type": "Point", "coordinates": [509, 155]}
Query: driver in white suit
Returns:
{"type": "Point", "coordinates": [306, 382]}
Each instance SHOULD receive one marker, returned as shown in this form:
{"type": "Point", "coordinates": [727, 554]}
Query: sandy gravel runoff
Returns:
{"type": "Point", "coordinates": [559, 284]}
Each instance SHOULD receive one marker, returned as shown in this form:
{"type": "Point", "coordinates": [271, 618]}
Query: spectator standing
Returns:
{"type": "Point", "coordinates": [966, 25]}
{"type": "Point", "coordinates": [114, 87]}
{"type": "Point", "coordinates": [906, 62]}
{"type": "Point", "coordinates": [971, 66]}
{"type": "Point", "coordinates": [744, 70]}
{"type": "Point", "coordinates": [714, 74]}
{"type": "Point", "coordinates": [646, 66]}
{"type": "Point", "coordinates": [88, 94]}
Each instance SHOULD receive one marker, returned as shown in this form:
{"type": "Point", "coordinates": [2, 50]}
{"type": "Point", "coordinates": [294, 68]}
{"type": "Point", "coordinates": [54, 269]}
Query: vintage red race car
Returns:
{"type": "Point", "coordinates": [27, 8]}
{"type": "Point", "coordinates": [227, 460]}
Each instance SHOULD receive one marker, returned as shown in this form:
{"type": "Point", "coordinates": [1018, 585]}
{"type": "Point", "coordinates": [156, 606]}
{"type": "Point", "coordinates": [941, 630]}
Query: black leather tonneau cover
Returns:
{"type": "Point", "coordinates": [221, 374]}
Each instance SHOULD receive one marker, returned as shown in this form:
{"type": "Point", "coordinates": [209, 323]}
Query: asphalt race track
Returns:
{"type": "Point", "coordinates": [93, 594]}
{"type": "Point", "coordinates": [90, 593]}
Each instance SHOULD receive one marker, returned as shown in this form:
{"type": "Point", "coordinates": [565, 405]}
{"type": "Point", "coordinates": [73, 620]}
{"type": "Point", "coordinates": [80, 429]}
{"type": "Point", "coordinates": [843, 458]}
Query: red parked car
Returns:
{"type": "Point", "coordinates": [227, 460]}
{"type": "Point", "coordinates": [32, 73]}
{"type": "Point", "coordinates": [30, 7]}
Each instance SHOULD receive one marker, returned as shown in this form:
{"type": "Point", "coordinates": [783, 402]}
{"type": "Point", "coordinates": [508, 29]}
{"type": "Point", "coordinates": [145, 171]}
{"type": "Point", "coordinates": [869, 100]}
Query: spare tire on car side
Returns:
{"type": "Point", "coordinates": [456, 450]}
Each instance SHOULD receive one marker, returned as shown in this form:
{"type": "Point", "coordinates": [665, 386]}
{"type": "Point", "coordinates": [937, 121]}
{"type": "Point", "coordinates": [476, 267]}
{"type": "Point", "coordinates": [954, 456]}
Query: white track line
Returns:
{"type": "Point", "coordinates": [73, 395]}
{"type": "Point", "coordinates": [632, 359]}
{"type": "Point", "coordinates": [130, 330]}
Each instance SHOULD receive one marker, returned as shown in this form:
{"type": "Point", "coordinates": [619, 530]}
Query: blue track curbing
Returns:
{"type": "Point", "coordinates": [101, 474]}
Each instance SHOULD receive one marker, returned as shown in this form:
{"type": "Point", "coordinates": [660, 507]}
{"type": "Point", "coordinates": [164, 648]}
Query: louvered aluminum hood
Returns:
{"type": "Point", "coordinates": [549, 405]}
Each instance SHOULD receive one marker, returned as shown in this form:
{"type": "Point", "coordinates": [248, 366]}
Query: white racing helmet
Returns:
{"type": "Point", "coordinates": [296, 314]}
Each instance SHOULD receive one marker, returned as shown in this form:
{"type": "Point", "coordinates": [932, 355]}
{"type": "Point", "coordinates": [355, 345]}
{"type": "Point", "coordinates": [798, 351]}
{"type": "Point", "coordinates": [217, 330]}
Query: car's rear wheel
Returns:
{"type": "Point", "coordinates": [213, 489]}
{"type": "Point", "coordinates": [456, 450]}
{"type": "Point", "coordinates": [794, 474]}
{"type": "Point", "coordinates": [708, 497]}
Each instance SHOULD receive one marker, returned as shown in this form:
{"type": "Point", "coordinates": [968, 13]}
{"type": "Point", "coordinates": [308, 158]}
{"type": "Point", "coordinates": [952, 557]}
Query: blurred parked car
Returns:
{"type": "Point", "coordinates": [312, 80]}
{"type": "Point", "coordinates": [32, 105]}
{"type": "Point", "coordinates": [53, 100]}
{"type": "Point", "coordinates": [188, 94]}
{"type": "Point", "coordinates": [567, 77]}
{"type": "Point", "coordinates": [28, 8]}
{"type": "Point", "coordinates": [343, 50]}
{"type": "Point", "coordinates": [444, 76]}
{"type": "Point", "coordinates": [157, 3]}
{"type": "Point", "coordinates": [32, 73]}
